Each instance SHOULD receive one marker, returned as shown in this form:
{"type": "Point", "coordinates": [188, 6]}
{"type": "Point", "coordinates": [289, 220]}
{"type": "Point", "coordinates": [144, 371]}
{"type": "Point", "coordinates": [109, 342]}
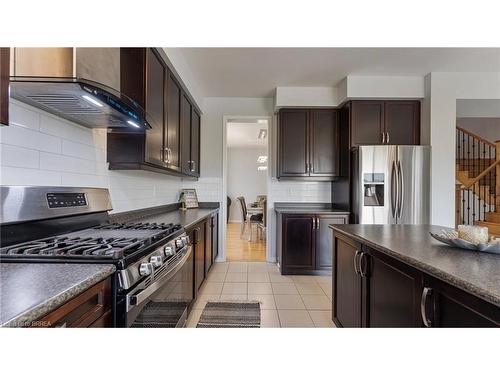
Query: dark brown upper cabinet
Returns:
{"type": "Point", "coordinates": [190, 139]}
{"type": "Point", "coordinates": [172, 133]}
{"type": "Point", "coordinates": [380, 122]}
{"type": "Point", "coordinates": [308, 144]}
{"type": "Point", "coordinates": [4, 85]}
{"type": "Point", "coordinates": [146, 78]}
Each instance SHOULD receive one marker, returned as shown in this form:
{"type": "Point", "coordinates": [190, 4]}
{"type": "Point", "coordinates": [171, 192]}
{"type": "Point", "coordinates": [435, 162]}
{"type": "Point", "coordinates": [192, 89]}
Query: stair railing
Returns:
{"type": "Point", "coordinates": [481, 159]}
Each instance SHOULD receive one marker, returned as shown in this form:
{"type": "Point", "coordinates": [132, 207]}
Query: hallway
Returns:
{"type": "Point", "coordinates": [240, 249]}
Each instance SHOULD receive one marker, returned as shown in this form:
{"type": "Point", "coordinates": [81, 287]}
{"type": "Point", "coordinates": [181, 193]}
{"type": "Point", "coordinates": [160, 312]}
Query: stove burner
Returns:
{"type": "Point", "coordinates": [109, 241]}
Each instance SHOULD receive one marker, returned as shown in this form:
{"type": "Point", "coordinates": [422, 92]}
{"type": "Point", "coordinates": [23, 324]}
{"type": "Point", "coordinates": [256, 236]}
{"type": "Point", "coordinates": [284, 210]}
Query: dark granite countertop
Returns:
{"type": "Point", "coordinates": [310, 208]}
{"type": "Point", "coordinates": [30, 291]}
{"type": "Point", "coordinates": [167, 214]}
{"type": "Point", "coordinates": [474, 272]}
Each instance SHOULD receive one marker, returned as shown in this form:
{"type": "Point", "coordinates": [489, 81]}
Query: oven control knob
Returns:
{"type": "Point", "coordinates": [169, 251]}
{"type": "Point", "coordinates": [179, 243]}
{"type": "Point", "coordinates": [185, 240]}
{"type": "Point", "coordinates": [156, 261]}
{"type": "Point", "coordinates": [145, 269]}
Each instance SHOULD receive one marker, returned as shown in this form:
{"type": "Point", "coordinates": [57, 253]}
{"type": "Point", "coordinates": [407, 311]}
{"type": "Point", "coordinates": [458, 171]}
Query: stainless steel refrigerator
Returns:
{"type": "Point", "coordinates": [391, 184]}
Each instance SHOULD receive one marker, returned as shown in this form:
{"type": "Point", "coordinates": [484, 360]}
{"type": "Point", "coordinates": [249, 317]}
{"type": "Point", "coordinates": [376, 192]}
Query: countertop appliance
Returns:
{"type": "Point", "coordinates": [79, 84]}
{"type": "Point", "coordinates": [154, 282]}
{"type": "Point", "coordinates": [391, 184]}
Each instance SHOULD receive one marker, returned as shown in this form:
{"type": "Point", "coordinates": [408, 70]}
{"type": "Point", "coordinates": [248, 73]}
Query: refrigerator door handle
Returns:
{"type": "Point", "coordinates": [400, 190]}
{"type": "Point", "coordinates": [394, 190]}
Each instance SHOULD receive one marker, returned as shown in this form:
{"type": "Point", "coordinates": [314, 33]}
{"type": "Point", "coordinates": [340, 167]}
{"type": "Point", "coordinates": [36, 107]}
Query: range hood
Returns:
{"type": "Point", "coordinates": [81, 85]}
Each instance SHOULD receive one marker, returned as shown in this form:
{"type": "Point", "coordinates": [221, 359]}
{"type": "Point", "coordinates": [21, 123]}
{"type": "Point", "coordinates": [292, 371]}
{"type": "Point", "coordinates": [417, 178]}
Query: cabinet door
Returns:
{"type": "Point", "coordinates": [324, 144]}
{"type": "Point", "coordinates": [186, 135]}
{"type": "Point", "coordinates": [447, 306]}
{"type": "Point", "coordinates": [402, 122]}
{"type": "Point", "coordinates": [208, 245]}
{"type": "Point", "coordinates": [367, 122]}
{"type": "Point", "coordinates": [298, 243]}
{"type": "Point", "coordinates": [397, 306]}
{"type": "Point", "coordinates": [173, 124]}
{"type": "Point", "coordinates": [324, 243]}
{"type": "Point", "coordinates": [199, 254]}
{"type": "Point", "coordinates": [155, 78]}
{"type": "Point", "coordinates": [346, 283]}
{"type": "Point", "coordinates": [195, 143]}
{"type": "Point", "coordinates": [4, 85]}
{"type": "Point", "coordinates": [293, 149]}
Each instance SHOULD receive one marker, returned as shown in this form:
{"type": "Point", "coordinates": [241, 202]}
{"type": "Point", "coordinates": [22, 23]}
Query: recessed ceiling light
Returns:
{"type": "Point", "coordinates": [262, 133]}
{"type": "Point", "coordinates": [133, 123]}
{"type": "Point", "coordinates": [92, 100]}
{"type": "Point", "coordinates": [262, 159]}
{"type": "Point", "coordinates": [262, 168]}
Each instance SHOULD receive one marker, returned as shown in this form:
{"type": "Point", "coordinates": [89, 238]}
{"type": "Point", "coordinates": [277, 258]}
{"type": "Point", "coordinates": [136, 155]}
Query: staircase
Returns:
{"type": "Point", "coordinates": [478, 181]}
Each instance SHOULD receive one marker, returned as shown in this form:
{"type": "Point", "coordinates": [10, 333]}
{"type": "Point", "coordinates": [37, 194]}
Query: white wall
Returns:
{"type": "Point", "coordinates": [243, 178]}
{"type": "Point", "coordinates": [40, 149]}
{"type": "Point", "coordinates": [445, 89]}
{"type": "Point", "coordinates": [381, 87]}
{"type": "Point", "coordinates": [306, 97]}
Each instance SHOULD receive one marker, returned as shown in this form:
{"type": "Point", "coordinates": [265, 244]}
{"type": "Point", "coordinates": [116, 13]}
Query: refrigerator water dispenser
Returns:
{"type": "Point", "coordinates": [373, 184]}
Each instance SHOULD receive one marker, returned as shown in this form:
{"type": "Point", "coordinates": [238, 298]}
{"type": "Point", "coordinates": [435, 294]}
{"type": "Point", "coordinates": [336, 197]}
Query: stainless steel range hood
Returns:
{"type": "Point", "coordinates": [81, 85]}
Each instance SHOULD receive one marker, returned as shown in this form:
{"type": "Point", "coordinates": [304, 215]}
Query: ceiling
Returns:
{"type": "Point", "coordinates": [256, 72]}
{"type": "Point", "coordinates": [245, 134]}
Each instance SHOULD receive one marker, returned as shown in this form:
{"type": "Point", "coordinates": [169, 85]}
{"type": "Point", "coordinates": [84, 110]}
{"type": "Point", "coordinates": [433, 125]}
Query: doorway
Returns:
{"type": "Point", "coordinates": [246, 164]}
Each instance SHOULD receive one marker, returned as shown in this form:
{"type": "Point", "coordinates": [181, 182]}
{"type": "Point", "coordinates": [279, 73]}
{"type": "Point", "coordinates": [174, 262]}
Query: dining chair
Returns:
{"type": "Point", "coordinates": [263, 225]}
{"type": "Point", "coordinates": [247, 219]}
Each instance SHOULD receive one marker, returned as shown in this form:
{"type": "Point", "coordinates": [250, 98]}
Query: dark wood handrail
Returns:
{"type": "Point", "coordinates": [482, 174]}
{"type": "Point", "coordinates": [480, 139]}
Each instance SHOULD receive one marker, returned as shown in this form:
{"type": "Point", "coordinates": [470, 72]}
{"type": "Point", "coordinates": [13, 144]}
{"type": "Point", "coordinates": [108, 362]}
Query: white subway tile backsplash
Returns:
{"type": "Point", "coordinates": [41, 149]}
{"type": "Point", "coordinates": [57, 162]}
{"type": "Point", "coordinates": [31, 177]}
{"type": "Point", "coordinates": [28, 138]}
{"type": "Point", "coordinates": [82, 151]}
{"type": "Point", "coordinates": [65, 129]}
{"type": "Point", "coordinates": [20, 115]}
{"type": "Point", "coordinates": [14, 156]}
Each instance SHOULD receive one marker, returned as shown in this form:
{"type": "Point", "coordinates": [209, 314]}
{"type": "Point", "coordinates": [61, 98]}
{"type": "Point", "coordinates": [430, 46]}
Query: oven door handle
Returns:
{"type": "Point", "coordinates": [136, 299]}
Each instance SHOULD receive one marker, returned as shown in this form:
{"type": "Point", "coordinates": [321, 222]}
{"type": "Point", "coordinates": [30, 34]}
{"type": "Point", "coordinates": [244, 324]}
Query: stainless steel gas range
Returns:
{"type": "Point", "coordinates": [154, 282]}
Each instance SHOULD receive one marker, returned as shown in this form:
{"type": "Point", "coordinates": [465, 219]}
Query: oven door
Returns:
{"type": "Point", "coordinates": [162, 301]}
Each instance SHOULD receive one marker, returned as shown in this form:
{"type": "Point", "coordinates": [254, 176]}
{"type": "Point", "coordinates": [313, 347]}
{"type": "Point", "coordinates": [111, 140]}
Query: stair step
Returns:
{"type": "Point", "coordinates": [492, 217]}
{"type": "Point", "coordinates": [493, 228]}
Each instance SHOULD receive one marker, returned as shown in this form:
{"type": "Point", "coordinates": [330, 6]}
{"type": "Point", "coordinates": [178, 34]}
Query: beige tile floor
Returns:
{"type": "Point", "coordinates": [286, 301]}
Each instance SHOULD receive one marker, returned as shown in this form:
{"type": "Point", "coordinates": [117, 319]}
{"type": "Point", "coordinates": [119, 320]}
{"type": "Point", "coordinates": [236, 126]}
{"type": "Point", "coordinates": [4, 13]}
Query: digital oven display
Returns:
{"type": "Point", "coordinates": [59, 200]}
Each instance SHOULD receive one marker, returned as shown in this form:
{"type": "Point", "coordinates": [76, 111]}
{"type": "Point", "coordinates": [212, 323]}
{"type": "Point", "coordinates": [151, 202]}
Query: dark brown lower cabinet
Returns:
{"type": "Point", "coordinates": [346, 308]}
{"type": "Point", "coordinates": [372, 289]}
{"type": "Point", "coordinates": [214, 223]}
{"type": "Point", "coordinates": [305, 243]}
{"type": "Point", "coordinates": [198, 240]}
{"type": "Point", "coordinates": [392, 291]}
{"type": "Point", "coordinates": [208, 245]}
{"type": "Point", "coordinates": [446, 306]}
{"type": "Point", "coordinates": [92, 308]}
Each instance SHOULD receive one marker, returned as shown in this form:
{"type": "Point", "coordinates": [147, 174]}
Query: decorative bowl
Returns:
{"type": "Point", "coordinates": [450, 237]}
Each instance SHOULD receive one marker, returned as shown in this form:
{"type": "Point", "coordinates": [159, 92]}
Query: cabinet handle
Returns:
{"type": "Point", "coordinates": [383, 137]}
{"type": "Point", "coordinates": [356, 254]}
{"type": "Point", "coordinates": [423, 306]}
{"type": "Point", "coordinates": [317, 223]}
{"type": "Point", "coordinates": [362, 272]}
{"type": "Point", "coordinates": [193, 165]}
{"type": "Point", "coordinates": [387, 137]}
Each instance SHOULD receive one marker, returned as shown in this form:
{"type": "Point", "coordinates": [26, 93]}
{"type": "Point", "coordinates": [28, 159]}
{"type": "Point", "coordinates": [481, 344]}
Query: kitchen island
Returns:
{"type": "Point", "coordinates": [399, 276]}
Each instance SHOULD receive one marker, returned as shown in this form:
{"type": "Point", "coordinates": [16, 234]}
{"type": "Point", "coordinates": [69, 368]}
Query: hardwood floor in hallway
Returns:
{"type": "Point", "coordinates": [240, 249]}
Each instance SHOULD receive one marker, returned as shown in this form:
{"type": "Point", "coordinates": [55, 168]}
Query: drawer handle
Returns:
{"type": "Point", "coordinates": [356, 261]}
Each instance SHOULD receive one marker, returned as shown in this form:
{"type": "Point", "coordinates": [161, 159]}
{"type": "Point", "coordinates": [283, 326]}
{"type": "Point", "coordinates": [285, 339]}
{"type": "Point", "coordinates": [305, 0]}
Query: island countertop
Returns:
{"type": "Point", "coordinates": [31, 290]}
{"type": "Point", "coordinates": [474, 272]}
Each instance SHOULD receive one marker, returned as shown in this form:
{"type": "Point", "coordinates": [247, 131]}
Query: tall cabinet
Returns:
{"type": "Point", "coordinates": [4, 85]}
